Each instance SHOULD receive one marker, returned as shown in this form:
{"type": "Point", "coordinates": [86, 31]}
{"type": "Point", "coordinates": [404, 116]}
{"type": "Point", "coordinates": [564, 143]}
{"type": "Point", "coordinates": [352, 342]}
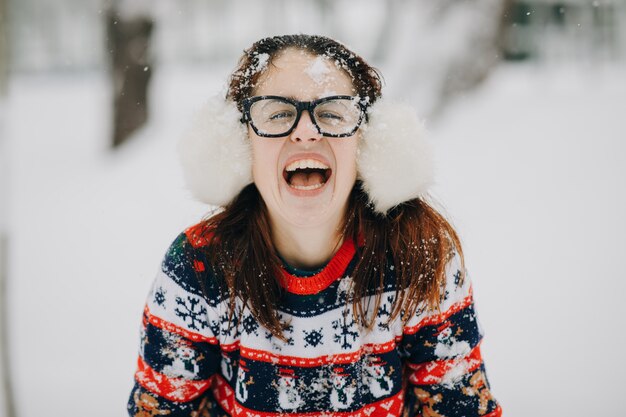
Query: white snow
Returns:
{"type": "Point", "coordinates": [531, 169]}
{"type": "Point", "coordinates": [455, 374]}
{"type": "Point", "coordinates": [259, 66]}
{"type": "Point", "coordinates": [452, 348]}
{"type": "Point", "coordinates": [318, 70]}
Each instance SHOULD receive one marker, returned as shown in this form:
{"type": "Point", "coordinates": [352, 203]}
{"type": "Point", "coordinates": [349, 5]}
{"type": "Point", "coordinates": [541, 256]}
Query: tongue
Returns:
{"type": "Point", "coordinates": [304, 179]}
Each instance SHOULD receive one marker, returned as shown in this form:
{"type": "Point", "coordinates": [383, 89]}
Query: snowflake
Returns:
{"type": "Point", "coordinates": [288, 329]}
{"type": "Point", "coordinates": [250, 325]}
{"type": "Point", "coordinates": [215, 327]}
{"type": "Point", "coordinates": [384, 312]}
{"type": "Point", "coordinates": [313, 338]}
{"type": "Point", "coordinates": [159, 296]}
{"type": "Point", "coordinates": [277, 345]}
{"type": "Point", "coordinates": [191, 312]}
{"type": "Point", "coordinates": [344, 326]}
{"type": "Point", "coordinates": [457, 277]}
{"type": "Point", "coordinates": [345, 291]}
{"type": "Point", "coordinates": [226, 326]}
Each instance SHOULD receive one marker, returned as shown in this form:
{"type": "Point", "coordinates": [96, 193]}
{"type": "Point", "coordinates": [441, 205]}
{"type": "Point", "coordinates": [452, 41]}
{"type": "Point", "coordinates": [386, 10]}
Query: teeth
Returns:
{"type": "Point", "coordinates": [307, 187]}
{"type": "Point", "coordinates": [305, 163]}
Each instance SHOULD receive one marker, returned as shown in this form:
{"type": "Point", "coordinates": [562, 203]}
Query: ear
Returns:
{"type": "Point", "coordinates": [395, 160]}
{"type": "Point", "coordinates": [215, 153]}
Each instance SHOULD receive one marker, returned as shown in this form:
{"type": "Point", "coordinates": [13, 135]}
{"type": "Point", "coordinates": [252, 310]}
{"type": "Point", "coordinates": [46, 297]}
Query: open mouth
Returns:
{"type": "Point", "coordinates": [307, 174]}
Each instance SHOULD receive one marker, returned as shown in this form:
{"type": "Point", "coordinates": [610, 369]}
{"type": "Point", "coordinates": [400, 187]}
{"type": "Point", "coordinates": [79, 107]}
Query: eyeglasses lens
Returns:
{"type": "Point", "coordinates": [334, 117]}
{"type": "Point", "coordinates": [337, 116]}
{"type": "Point", "coordinates": [273, 116]}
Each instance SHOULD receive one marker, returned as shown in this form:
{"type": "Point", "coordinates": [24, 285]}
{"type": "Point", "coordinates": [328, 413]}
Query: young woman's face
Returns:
{"type": "Point", "coordinates": [304, 197]}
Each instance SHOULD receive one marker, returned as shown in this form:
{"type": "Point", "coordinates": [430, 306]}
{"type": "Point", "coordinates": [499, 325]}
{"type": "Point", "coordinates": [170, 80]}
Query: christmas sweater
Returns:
{"type": "Point", "coordinates": [196, 360]}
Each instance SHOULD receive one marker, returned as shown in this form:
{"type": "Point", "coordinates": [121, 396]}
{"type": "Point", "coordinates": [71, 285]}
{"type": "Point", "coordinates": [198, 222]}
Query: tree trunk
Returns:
{"type": "Point", "coordinates": [487, 49]}
{"type": "Point", "coordinates": [384, 41]}
{"type": "Point", "coordinates": [7, 405]}
{"type": "Point", "coordinates": [4, 48]}
{"type": "Point", "coordinates": [128, 45]}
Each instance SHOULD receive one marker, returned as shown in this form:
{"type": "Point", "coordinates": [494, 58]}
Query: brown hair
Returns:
{"type": "Point", "coordinates": [412, 237]}
{"type": "Point", "coordinates": [366, 79]}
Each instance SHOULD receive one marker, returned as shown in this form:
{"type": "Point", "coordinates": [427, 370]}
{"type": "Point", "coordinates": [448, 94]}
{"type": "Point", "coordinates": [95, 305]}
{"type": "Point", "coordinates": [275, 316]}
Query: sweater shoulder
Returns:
{"type": "Point", "coordinates": [187, 264]}
{"type": "Point", "coordinates": [199, 235]}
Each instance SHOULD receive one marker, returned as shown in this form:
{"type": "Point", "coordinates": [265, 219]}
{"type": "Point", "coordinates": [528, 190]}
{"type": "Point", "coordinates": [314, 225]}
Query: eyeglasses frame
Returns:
{"type": "Point", "coordinates": [300, 106]}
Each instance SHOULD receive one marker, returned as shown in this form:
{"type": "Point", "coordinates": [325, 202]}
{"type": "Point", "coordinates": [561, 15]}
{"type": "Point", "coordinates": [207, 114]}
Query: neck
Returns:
{"type": "Point", "coordinates": [310, 247]}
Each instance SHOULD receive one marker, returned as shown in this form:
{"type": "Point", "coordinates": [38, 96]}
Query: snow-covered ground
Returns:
{"type": "Point", "coordinates": [531, 170]}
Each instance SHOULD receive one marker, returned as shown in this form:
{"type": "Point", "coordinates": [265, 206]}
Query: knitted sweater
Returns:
{"type": "Point", "coordinates": [194, 361]}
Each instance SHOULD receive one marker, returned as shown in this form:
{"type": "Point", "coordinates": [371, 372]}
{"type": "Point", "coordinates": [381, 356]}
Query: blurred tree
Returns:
{"type": "Point", "coordinates": [485, 48]}
{"type": "Point", "coordinates": [129, 30]}
{"type": "Point", "coordinates": [392, 8]}
{"type": "Point", "coordinates": [4, 48]}
{"type": "Point", "coordinates": [441, 48]}
{"type": "Point", "coordinates": [7, 406]}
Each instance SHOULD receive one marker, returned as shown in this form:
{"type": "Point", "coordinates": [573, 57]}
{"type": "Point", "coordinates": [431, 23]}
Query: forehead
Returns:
{"type": "Point", "coordinates": [300, 75]}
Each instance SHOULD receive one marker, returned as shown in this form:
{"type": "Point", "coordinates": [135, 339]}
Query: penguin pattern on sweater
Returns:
{"type": "Point", "coordinates": [195, 360]}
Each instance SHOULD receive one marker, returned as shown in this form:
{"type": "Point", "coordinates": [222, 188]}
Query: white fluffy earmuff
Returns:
{"type": "Point", "coordinates": [215, 153]}
{"type": "Point", "coordinates": [395, 160]}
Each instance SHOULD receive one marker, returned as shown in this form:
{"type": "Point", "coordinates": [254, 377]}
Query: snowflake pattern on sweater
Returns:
{"type": "Point", "coordinates": [194, 361]}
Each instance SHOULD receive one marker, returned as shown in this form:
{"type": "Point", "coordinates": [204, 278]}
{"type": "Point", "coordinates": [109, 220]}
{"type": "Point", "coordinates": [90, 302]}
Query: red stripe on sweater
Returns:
{"type": "Point", "coordinates": [430, 373]}
{"type": "Point", "coordinates": [318, 282]}
{"type": "Point", "coordinates": [441, 317]}
{"type": "Point", "coordinates": [495, 413]}
{"type": "Point", "coordinates": [225, 396]}
{"type": "Point", "coordinates": [171, 327]}
{"type": "Point", "coordinates": [230, 347]}
{"type": "Point", "coordinates": [174, 389]}
{"type": "Point", "coordinates": [343, 358]}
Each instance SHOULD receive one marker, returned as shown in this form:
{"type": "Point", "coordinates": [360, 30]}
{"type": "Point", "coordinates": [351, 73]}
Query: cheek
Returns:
{"type": "Point", "coordinates": [346, 160]}
{"type": "Point", "coordinates": [264, 160]}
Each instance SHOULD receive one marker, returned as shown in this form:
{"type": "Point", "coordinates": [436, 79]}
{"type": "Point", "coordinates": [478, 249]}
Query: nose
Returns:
{"type": "Point", "coordinates": [305, 130]}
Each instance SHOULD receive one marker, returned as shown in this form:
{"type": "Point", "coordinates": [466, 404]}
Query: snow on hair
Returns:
{"type": "Point", "coordinates": [395, 161]}
{"type": "Point", "coordinates": [215, 153]}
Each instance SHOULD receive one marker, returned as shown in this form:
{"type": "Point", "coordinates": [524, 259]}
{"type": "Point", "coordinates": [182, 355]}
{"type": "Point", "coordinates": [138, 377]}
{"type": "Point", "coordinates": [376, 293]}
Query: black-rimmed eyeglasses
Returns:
{"type": "Point", "coordinates": [275, 116]}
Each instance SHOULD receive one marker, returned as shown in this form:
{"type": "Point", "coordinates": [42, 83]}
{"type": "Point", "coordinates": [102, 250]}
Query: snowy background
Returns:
{"type": "Point", "coordinates": [531, 170]}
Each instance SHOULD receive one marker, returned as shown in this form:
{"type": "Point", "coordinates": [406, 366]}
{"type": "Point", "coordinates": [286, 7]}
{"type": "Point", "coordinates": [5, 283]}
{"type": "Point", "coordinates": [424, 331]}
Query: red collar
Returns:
{"type": "Point", "coordinates": [320, 281]}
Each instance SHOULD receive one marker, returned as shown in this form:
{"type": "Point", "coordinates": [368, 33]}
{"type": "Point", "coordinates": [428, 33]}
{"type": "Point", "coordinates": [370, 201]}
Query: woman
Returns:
{"type": "Point", "coordinates": [326, 285]}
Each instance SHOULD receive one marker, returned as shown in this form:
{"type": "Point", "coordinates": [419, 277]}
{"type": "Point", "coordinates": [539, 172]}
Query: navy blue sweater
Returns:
{"type": "Point", "coordinates": [193, 361]}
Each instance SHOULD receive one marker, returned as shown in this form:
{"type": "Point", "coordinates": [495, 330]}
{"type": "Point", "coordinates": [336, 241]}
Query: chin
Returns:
{"type": "Point", "coordinates": [307, 211]}
{"type": "Point", "coordinates": [308, 216]}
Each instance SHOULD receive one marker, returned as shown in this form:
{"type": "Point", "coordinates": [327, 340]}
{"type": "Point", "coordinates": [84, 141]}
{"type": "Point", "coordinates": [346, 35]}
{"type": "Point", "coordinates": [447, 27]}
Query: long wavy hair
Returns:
{"type": "Point", "coordinates": [414, 236]}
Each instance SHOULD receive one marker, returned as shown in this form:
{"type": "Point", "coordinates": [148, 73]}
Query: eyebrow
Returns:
{"type": "Point", "coordinates": [292, 97]}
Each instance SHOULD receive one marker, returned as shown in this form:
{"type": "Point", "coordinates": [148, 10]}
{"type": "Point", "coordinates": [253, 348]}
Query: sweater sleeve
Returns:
{"type": "Point", "coordinates": [446, 373]}
{"type": "Point", "coordinates": [179, 353]}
